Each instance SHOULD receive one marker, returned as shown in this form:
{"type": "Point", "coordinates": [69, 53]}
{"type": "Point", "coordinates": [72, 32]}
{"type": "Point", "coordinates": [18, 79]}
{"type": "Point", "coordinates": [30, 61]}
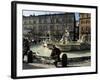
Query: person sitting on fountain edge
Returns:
{"type": "Point", "coordinates": [55, 54]}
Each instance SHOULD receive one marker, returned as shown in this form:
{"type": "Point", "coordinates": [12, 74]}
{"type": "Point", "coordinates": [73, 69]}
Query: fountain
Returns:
{"type": "Point", "coordinates": [65, 44]}
{"type": "Point", "coordinates": [65, 37]}
{"type": "Point", "coordinates": [84, 44]}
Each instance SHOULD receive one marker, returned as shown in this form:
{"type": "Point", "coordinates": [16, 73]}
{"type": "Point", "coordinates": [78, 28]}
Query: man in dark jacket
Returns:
{"type": "Point", "coordinates": [55, 55]}
{"type": "Point", "coordinates": [26, 47]}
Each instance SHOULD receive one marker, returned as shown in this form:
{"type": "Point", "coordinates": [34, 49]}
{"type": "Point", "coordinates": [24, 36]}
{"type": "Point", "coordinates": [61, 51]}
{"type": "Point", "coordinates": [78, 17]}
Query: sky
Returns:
{"type": "Point", "coordinates": [30, 12]}
{"type": "Point", "coordinates": [77, 16]}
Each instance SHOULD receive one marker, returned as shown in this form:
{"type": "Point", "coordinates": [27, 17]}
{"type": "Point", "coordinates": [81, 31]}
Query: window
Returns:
{"type": "Point", "coordinates": [30, 22]}
{"type": "Point", "coordinates": [48, 20]}
{"type": "Point", "coordinates": [39, 21]}
{"type": "Point", "coordinates": [25, 22]}
{"type": "Point", "coordinates": [82, 29]}
{"type": "Point", "coordinates": [34, 22]}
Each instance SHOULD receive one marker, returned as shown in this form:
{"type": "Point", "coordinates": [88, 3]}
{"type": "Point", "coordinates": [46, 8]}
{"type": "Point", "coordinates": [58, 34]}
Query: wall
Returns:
{"type": "Point", "coordinates": [5, 40]}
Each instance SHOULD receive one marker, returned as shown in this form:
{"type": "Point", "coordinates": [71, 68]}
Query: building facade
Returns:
{"type": "Point", "coordinates": [85, 26]}
{"type": "Point", "coordinates": [49, 25]}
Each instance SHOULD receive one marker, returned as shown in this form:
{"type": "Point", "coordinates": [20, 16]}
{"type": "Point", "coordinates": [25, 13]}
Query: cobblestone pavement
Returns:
{"type": "Point", "coordinates": [43, 66]}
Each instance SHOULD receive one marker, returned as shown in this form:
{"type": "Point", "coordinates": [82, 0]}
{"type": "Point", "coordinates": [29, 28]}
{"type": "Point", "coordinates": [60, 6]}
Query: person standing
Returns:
{"type": "Point", "coordinates": [30, 56]}
{"type": "Point", "coordinates": [55, 54]}
{"type": "Point", "coordinates": [26, 47]}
